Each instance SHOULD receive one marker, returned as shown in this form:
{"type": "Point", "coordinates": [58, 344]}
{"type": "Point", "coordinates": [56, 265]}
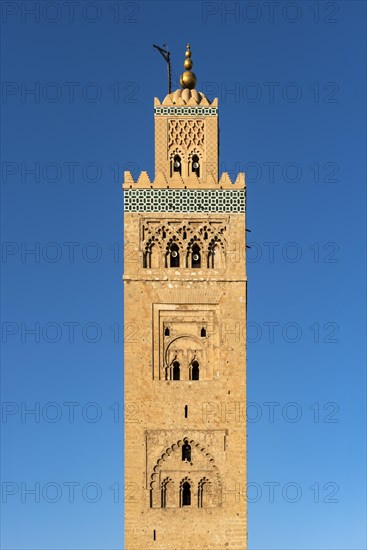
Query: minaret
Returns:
{"type": "Point", "coordinates": [185, 301]}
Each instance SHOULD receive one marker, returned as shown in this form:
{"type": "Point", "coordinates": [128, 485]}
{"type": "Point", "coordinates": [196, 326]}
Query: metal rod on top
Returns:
{"type": "Point", "coordinates": [166, 55]}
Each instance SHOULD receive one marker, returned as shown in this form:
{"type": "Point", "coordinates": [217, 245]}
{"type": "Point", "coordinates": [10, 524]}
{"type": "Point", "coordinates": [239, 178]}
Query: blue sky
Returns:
{"type": "Point", "coordinates": [290, 78]}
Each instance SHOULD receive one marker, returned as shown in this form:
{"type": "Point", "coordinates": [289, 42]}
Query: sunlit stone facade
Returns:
{"type": "Point", "coordinates": [185, 300]}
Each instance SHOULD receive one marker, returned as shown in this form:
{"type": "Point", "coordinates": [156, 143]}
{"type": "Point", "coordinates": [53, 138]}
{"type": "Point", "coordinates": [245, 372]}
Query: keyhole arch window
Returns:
{"type": "Point", "coordinates": [195, 256]}
{"type": "Point", "coordinates": [185, 496]}
{"type": "Point", "coordinates": [186, 451]}
{"type": "Point", "coordinates": [173, 255]}
{"type": "Point", "coordinates": [195, 370]}
{"type": "Point", "coordinates": [175, 371]}
{"type": "Point", "coordinates": [195, 165]}
{"type": "Point", "coordinates": [176, 166]}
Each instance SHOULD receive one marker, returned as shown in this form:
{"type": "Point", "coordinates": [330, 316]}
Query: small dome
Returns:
{"type": "Point", "coordinates": [183, 96]}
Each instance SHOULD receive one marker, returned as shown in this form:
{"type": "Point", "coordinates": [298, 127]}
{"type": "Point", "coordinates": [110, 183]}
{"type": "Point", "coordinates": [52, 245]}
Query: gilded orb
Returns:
{"type": "Point", "coordinates": [188, 64]}
{"type": "Point", "coordinates": [188, 80]}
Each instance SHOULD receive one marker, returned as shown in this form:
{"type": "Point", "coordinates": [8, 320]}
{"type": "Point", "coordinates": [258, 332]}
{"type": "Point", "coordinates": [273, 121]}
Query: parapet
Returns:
{"type": "Point", "coordinates": [178, 182]}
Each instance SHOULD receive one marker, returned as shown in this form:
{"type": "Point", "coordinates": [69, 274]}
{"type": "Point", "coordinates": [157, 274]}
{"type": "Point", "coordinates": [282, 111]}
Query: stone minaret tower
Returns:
{"type": "Point", "coordinates": [185, 296]}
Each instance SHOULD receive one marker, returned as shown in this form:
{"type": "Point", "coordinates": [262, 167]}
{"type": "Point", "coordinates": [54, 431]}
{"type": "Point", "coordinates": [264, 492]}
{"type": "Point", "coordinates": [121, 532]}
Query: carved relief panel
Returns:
{"type": "Point", "coordinates": [184, 471]}
{"type": "Point", "coordinates": [186, 133]}
{"type": "Point", "coordinates": [186, 342]}
{"type": "Point", "coordinates": [188, 243]}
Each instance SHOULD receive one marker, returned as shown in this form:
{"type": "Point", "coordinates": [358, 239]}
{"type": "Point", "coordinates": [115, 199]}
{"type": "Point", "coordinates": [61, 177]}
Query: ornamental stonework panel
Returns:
{"type": "Point", "coordinates": [167, 241]}
{"type": "Point", "coordinates": [186, 342]}
{"type": "Point", "coordinates": [186, 133]}
{"type": "Point", "coordinates": [185, 469]}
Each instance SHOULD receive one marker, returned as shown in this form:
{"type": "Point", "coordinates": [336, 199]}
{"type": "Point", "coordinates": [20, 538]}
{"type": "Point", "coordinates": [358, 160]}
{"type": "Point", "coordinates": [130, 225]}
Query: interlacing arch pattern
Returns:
{"type": "Point", "coordinates": [186, 133]}
{"type": "Point", "coordinates": [153, 241]}
{"type": "Point", "coordinates": [208, 237]}
{"type": "Point", "coordinates": [171, 241]}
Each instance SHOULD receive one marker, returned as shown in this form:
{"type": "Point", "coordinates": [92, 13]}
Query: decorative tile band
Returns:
{"type": "Point", "coordinates": [185, 111]}
{"type": "Point", "coordinates": [185, 200]}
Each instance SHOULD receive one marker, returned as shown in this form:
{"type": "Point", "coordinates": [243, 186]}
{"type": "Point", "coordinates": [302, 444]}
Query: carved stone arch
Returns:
{"type": "Point", "coordinates": [195, 241]}
{"type": "Point", "coordinates": [166, 479]}
{"type": "Point", "coordinates": [207, 493]}
{"type": "Point", "coordinates": [206, 231]}
{"type": "Point", "coordinates": [216, 245]}
{"type": "Point", "coordinates": [173, 242]}
{"type": "Point", "coordinates": [152, 253]}
{"type": "Point", "coordinates": [195, 162]}
{"type": "Point", "coordinates": [164, 232]}
{"type": "Point", "coordinates": [218, 238]}
{"type": "Point", "coordinates": [173, 154]}
{"type": "Point", "coordinates": [195, 151]}
{"type": "Point", "coordinates": [167, 493]}
{"type": "Point", "coordinates": [186, 478]}
{"type": "Point", "coordinates": [221, 231]}
{"type": "Point", "coordinates": [184, 349]}
{"type": "Point", "coordinates": [177, 151]}
{"type": "Point", "coordinates": [176, 446]}
{"type": "Point", "coordinates": [186, 491]}
{"type": "Point", "coordinates": [174, 239]}
{"type": "Point", "coordinates": [194, 368]}
{"type": "Point", "coordinates": [185, 231]}
{"type": "Point", "coordinates": [152, 240]}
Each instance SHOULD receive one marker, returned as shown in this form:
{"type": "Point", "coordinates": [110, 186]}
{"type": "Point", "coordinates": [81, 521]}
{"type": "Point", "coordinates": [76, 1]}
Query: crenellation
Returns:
{"type": "Point", "coordinates": [177, 182]}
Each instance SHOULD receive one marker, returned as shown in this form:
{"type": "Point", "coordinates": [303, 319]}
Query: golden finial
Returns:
{"type": "Point", "coordinates": [188, 79]}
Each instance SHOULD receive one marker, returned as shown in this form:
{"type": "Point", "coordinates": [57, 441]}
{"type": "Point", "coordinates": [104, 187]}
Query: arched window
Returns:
{"type": "Point", "coordinates": [194, 370]}
{"type": "Point", "coordinates": [200, 494]}
{"type": "Point", "coordinates": [186, 451]}
{"type": "Point", "coordinates": [186, 494]}
{"type": "Point", "coordinates": [145, 259]}
{"type": "Point", "coordinates": [164, 494]}
{"type": "Point", "coordinates": [204, 493]}
{"type": "Point", "coordinates": [151, 257]}
{"type": "Point", "coordinates": [203, 332]}
{"type": "Point", "coordinates": [154, 256]}
{"type": "Point", "coordinates": [177, 167]}
{"type": "Point", "coordinates": [174, 256]}
{"type": "Point", "coordinates": [195, 165]}
{"type": "Point", "coordinates": [167, 493]}
{"type": "Point", "coordinates": [215, 257]}
{"type": "Point", "coordinates": [176, 370]}
{"type": "Point", "coordinates": [195, 256]}
{"type": "Point", "coordinates": [166, 331]}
